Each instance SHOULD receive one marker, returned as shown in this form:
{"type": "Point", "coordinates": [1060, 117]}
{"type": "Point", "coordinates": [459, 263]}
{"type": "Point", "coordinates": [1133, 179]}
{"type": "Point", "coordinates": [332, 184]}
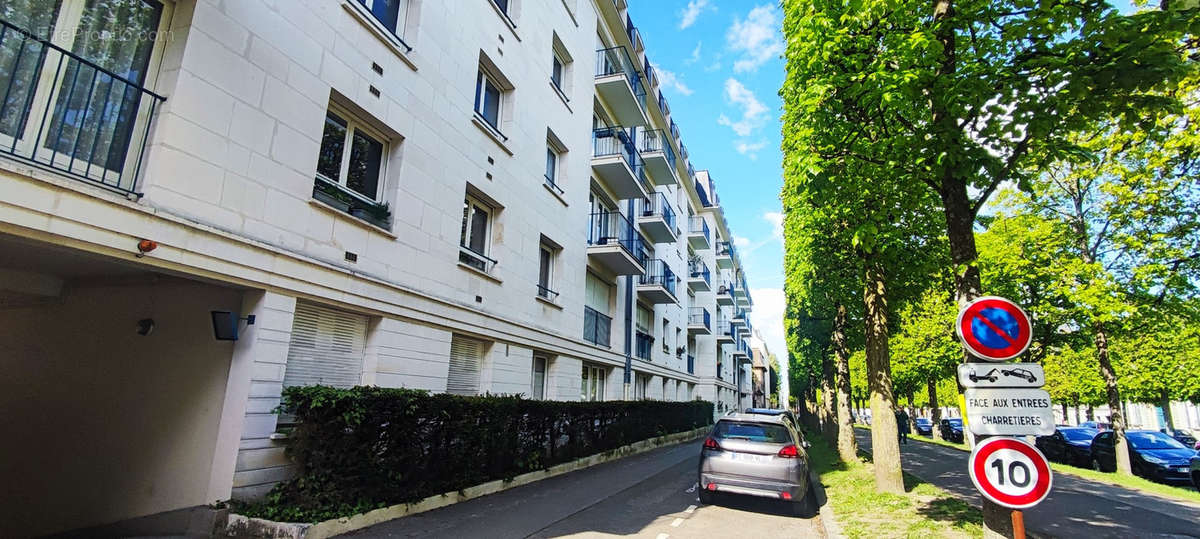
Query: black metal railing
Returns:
{"type": "Point", "coordinates": [725, 289]}
{"type": "Point", "coordinates": [608, 141]}
{"type": "Point", "coordinates": [655, 140]}
{"type": "Point", "coordinates": [697, 225]}
{"type": "Point", "coordinates": [545, 293]}
{"type": "Point", "coordinates": [724, 328]}
{"type": "Point", "coordinates": [698, 316]}
{"type": "Point", "coordinates": [642, 345]}
{"type": "Point", "coordinates": [691, 365]}
{"type": "Point", "coordinates": [659, 273]}
{"type": "Point", "coordinates": [697, 269]}
{"type": "Point", "coordinates": [739, 316]}
{"type": "Point", "coordinates": [659, 205]}
{"type": "Point", "coordinates": [66, 112]}
{"type": "Point", "coordinates": [552, 184]}
{"type": "Point", "coordinates": [615, 60]}
{"type": "Point", "coordinates": [475, 259]}
{"type": "Point", "coordinates": [724, 248]}
{"type": "Point", "coordinates": [662, 104]}
{"type": "Point", "coordinates": [596, 327]}
{"type": "Point", "coordinates": [612, 228]}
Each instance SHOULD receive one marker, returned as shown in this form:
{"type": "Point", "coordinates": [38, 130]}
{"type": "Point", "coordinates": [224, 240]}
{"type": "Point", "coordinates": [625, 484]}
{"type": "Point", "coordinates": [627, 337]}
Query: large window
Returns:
{"type": "Point", "coordinates": [326, 347]}
{"type": "Point", "coordinates": [474, 238]}
{"type": "Point", "coordinates": [592, 383]}
{"type": "Point", "coordinates": [392, 14]}
{"type": "Point", "coordinates": [487, 99]}
{"type": "Point", "coordinates": [351, 156]}
{"type": "Point", "coordinates": [466, 360]}
{"type": "Point", "coordinates": [538, 378]}
{"type": "Point", "coordinates": [546, 255]}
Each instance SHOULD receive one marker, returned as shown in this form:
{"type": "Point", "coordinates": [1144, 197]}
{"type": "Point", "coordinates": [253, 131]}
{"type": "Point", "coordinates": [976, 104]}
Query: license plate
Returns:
{"type": "Point", "coordinates": [746, 457]}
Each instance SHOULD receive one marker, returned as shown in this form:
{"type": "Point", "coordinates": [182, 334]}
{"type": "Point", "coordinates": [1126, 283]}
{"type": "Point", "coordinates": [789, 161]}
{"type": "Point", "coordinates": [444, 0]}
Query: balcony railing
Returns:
{"type": "Point", "coordinates": [659, 273]}
{"type": "Point", "coordinates": [615, 60]}
{"type": "Point", "coordinates": [724, 327]}
{"type": "Point", "coordinates": [675, 133]}
{"type": "Point", "coordinates": [608, 141]}
{"type": "Point", "coordinates": [691, 365]}
{"type": "Point", "coordinates": [697, 225]}
{"type": "Point", "coordinates": [643, 343]}
{"type": "Point", "coordinates": [659, 204]}
{"type": "Point", "coordinates": [662, 104]}
{"type": "Point", "coordinates": [596, 327]}
{"type": "Point", "coordinates": [724, 248]}
{"type": "Point", "coordinates": [697, 269]}
{"type": "Point", "coordinates": [612, 228]}
{"type": "Point", "coordinates": [475, 259]}
{"type": "Point", "coordinates": [698, 316]}
{"type": "Point", "coordinates": [546, 294]}
{"type": "Point", "coordinates": [654, 140]}
{"type": "Point", "coordinates": [65, 112]}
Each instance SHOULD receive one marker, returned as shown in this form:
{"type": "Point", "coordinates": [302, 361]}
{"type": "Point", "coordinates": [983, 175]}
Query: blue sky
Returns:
{"type": "Point", "coordinates": [720, 66]}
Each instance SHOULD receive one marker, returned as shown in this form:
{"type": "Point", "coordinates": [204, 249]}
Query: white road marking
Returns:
{"type": "Point", "coordinates": [690, 509]}
{"type": "Point", "coordinates": [662, 536]}
{"type": "Point", "coordinates": [676, 522]}
{"type": "Point", "coordinates": [693, 488]}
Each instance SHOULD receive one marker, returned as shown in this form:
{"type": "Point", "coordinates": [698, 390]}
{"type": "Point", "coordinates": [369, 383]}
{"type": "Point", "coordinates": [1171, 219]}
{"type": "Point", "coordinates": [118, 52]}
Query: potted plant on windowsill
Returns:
{"type": "Point", "coordinates": [330, 195]}
{"type": "Point", "coordinates": [376, 214]}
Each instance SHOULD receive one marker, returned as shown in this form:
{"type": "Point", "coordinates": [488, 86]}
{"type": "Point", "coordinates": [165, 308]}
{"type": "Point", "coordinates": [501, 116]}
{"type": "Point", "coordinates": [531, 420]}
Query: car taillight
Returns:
{"type": "Point", "coordinates": [789, 452]}
{"type": "Point", "coordinates": [710, 443]}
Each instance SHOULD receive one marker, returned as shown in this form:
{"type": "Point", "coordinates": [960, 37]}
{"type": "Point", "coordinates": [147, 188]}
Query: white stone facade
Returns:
{"type": "Point", "coordinates": [225, 187]}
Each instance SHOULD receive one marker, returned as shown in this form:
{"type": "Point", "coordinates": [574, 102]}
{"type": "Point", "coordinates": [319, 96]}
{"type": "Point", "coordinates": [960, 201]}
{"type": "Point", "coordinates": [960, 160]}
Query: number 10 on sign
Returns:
{"type": "Point", "coordinates": [1010, 472]}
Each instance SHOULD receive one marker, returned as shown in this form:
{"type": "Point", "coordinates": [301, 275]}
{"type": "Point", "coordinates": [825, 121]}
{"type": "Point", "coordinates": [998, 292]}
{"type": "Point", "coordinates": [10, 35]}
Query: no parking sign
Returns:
{"type": "Point", "coordinates": [994, 328]}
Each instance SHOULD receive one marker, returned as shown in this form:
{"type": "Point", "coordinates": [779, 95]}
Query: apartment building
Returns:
{"type": "Point", "coordinates": [203, 202]}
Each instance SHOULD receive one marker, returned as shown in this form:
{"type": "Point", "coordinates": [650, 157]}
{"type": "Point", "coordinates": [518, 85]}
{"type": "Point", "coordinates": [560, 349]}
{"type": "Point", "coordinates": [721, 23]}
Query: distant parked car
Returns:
{"type": "Point", "coordinates": [757, 455]}
{"type": "Point", "coordinates": [924, 426]}
{"type": "Point", "coordinates": [1184, 437]}
{"type": "Point", "coordinates": [1152, 454]}
{"type": "Point", "coordinates": [1095, 425]}
{"type": "Point", "coordinates": [951, 429]}
{"type": "Point", "coordinates": [1068, 445]}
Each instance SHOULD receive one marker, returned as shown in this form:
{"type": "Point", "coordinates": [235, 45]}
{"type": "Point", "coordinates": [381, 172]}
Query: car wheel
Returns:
{"type": "Point", "coordinates": [706, 497]}
{"type": "Point", "coordinates": [807, 506]}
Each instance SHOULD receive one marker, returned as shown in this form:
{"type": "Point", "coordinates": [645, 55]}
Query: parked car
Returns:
{"type": "Point", "coordinates": [924, 426]}
{"type": "Point", "coordinates": [757, 455]}
{"type": "Point", "coordinates": [1152, 454]}
{"type": "Point", "coordinates": [951, 429]}
{"type": "Point", "coordinates": [786, 414]}
{"type": "Point", "coordinates": [1068, 445]}
{"type": "Point", "coordinates": [1095, 425]}
{"type": "Point", "coordinates": [1184, 437]}
{"type": "Point", "coordinates": [1195, 471]}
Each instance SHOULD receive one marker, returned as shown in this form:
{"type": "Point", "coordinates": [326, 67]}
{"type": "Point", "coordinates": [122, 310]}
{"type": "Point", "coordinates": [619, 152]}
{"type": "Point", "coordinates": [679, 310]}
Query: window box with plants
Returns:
{"type": "Point", "coordinates": [334, 196]}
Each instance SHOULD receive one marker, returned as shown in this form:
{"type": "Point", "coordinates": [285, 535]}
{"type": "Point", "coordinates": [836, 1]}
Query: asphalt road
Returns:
{"type": "Point", "coordinates": [1075, 507]}
{"type": "Point", "coordinates": [650, 495]}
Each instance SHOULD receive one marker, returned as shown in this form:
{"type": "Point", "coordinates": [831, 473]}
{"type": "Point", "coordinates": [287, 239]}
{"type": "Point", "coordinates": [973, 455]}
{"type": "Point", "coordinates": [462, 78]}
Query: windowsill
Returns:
{"type": "Point", "coordinates": [508, 22]}
{"type": "Point", "coordinates": [480, 272]}
{"type": "Point", "coordinates": [383, 34]}
{"type": "Point", "coordinates": [352, 219]}
{"type": "Point", "coordinates": [549, 302]}
{"type": "Point", "coordinates": [492, 133]}
{"type": "Point", "coordinates": [556, 194]}
{"type": "Point", "coordinates": [566, 100]}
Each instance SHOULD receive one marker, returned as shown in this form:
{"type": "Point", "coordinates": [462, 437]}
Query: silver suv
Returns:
{"type": "Point", "coordinates": [757, 454]}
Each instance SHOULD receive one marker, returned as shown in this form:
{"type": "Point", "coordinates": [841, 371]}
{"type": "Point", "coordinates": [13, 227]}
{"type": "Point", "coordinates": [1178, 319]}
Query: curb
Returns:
{"type": "Point", "coordinates": [244, 526]}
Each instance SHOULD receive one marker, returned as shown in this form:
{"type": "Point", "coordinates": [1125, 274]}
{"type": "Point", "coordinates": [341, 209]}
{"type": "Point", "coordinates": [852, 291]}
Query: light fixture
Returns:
{"type": "Point", "coordinates": [225, 325]}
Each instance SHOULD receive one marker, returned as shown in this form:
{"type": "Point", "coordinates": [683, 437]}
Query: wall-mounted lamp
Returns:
{"type": "Point", "coordinates": [225, 325]}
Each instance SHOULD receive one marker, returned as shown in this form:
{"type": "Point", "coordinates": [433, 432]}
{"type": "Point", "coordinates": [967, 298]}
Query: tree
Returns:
{"type": "Point", "coordinates": [926, 349]}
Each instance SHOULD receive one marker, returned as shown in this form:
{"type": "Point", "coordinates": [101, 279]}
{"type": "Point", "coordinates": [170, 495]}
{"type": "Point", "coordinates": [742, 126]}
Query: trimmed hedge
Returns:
{"type": "Point", "coordinates": [367, 447]}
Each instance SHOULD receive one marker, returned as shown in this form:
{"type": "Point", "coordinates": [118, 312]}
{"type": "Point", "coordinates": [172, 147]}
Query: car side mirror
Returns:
{"type": "Point", "coordinates": [805, 444]}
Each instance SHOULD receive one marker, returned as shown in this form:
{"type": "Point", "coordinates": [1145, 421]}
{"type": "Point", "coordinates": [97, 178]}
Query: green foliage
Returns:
{"type": "Point", "coordinates": [367, 447]}
{"type": "Point", "coordinates": [925, 347]}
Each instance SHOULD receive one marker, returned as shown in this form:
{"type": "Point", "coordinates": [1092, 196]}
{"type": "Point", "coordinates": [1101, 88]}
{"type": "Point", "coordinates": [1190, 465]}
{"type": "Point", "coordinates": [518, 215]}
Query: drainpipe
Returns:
{"type": "Point", "coordinates": [629, 287]}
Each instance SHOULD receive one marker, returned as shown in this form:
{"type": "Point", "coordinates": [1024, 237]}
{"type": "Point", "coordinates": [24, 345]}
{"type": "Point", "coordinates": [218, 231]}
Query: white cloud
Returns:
{"type": "Point", "coordinates": [757, 38]}
{"type": "Point", "coordinates": [668, 79]}
{"type": "Point", "coordinates": [776, 220]}
{"type": "Point", "coordinates": [754, 114]}
{"type": "Point", "coordinates": [695, 54]}
{"type": "Point", "coordinates": [688, 15]}
{"type": "Point", "coordinates": [749, 149]}
{"type": "Point", "coordinates": [767, 317]}
{"type": "Point", "coordinates": [739, 241]}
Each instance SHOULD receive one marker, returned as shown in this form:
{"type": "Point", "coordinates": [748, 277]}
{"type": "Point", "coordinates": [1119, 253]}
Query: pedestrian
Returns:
{"type": "Point", "coordinates": [902, 425]}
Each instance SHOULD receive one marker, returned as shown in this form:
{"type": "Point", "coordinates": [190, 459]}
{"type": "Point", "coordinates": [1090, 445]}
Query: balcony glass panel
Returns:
{"type": "Point", "coordinates": [596, 327]}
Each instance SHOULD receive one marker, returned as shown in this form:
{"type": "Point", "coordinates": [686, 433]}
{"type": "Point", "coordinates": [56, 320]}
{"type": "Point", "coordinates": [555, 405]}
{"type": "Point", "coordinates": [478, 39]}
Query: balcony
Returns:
{"type": "Point", "coordinates": [743, 297]}
{"type": "Point", "coordinates": [659, 283]}
{"type": "Point", "coordinates": [617, 163]}
{"type": "Point", "coordinates": [741, 351]}
{"type": "Point", "coordinates": [658, 156]}
{"type": "Point", "coordinates": [725, 295]}
{"type": "Point", "coordinates": [699, 278]}
{"type": "Point", "coordinates": [620, 86]}
{"type": "Point", "coordinates": [724, 332]}
{"type": "Point", "coordinates": [739, 317]}
{"type": "Point", "coordinates": [642, 345]}
{"type": "Point", "coordinates": [613, 243]}
{"type": "Point", "coordinates": [597, 327]}
{"type": "Point", "coordinates": [663, 106]}
{"type": "Point", "coordinates": [745, 328]}
{"type": "Point", "coordinates": [64, 112]}
{"type": "Point", "coordinates": [657, 218]}
{"type": "Point", "coordinates": [699, 322]}
{"type": "Point", "coordinates": [635, 37]}
{"type": "Point", "coordinates": [699, 236]}
{"type": "Point", "coordinates": [725, 255]}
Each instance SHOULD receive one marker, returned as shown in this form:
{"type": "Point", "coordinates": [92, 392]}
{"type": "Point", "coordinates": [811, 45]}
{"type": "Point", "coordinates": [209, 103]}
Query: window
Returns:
{"type": "Point", "coordinates": [546, 255]}
{"type": "Point", "coordinates": [561, 65]}
{"type": "Point", "coordinates": [639, 386]}
{"type": "Point", "coordinates": [474, 237]}
{"type": "Point", "coordinates": [392, 14]}
{"type": "Point", "coordinates": [643, 340]}
{"type": "Point", "coordinates": [551, 165]}
{"type": "Point", "coordinates": [538, 378]}
{"type": "Point", "coordinates": [326, 347]}
{"type": "Point", "coordinates": [466, 358]}
{"type": "Point", "coordinates": [351, 157]}
{"type": "Point", "coordinates": [556, 72]}
{"type": "Point", "coordinates": [597, 324]}
{"type": "Point", "coordinates": [487, 100]}
{"type": "Point", "coordinates": [666, 332]}
{"type": "Point", "coordinates": [592, 383]}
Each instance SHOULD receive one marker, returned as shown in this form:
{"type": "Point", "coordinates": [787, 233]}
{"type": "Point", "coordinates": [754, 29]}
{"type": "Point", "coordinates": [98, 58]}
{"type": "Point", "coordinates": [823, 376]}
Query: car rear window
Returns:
{"type": "Point", "coordinates": [1078, 435]}
{"type": "Point", "coordinates": [755, 432]}
{"type": "Point", "coordinates": [956, 422]}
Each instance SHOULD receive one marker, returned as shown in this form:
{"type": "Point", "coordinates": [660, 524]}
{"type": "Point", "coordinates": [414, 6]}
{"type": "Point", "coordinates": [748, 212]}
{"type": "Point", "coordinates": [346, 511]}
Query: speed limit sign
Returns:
{"type": "Point", "coordinates": [1010, 472]}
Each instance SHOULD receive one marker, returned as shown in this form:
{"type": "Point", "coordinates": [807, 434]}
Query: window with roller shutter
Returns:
{"type": "Point", "coordinates": [326, 347]}
{"type": "Point", "coordinates": [466, 358]}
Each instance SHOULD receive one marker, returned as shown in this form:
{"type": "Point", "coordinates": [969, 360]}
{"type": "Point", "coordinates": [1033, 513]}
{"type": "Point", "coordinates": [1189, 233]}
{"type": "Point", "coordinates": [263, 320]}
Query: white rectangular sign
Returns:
{"type": "Point", "coordinates": [1009, 411]}
{"type": "Point", "coordinates": [1001, 375]}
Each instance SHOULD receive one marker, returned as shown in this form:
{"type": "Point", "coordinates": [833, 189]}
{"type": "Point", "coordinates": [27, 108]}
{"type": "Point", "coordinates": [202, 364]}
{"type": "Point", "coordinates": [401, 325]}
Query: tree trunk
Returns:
{"type": "Point", "coordinates": [1116, 417]}
{"type": "Point", "coordinates": [828, 419]}
{"type": "Point", "coordinates": [847, 446]}
{"type": "Point", "coordinates": [885, 441]}
{"type": "Point", "coordinates": [1077, 421]}
{"type": "Point", "coordinates": [935, 412]}
{"type": "Point", "coordinates": [1166, 406]}
{"type": "Point", "coordinates": [1091, 413]}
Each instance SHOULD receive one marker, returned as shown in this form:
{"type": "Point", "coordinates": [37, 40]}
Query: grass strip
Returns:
{"type": "Point", "coordinates": [1186, 494]}
{"type": "Point", "coordinates": [923, 511]}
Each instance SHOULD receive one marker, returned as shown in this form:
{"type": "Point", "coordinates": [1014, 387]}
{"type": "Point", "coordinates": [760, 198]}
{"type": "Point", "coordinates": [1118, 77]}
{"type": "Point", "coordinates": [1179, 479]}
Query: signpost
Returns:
{"type": "Point", "coordinates": [1010, 472]}
{"type": "Point", "coordinates": [994, 329]}
{"type": "Point", "coordinates": [1009, 412]}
